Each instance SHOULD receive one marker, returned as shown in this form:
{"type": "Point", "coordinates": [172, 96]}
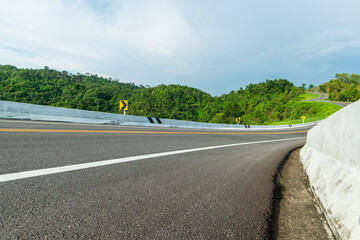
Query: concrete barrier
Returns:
{"type": "Point", "coordinates": [331, 159]}
{"type": "Point", "coordinates": [25, 111]}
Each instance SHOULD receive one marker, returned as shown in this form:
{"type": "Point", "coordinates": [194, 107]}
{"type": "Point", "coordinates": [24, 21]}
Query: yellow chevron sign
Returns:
{"type": "Point", "coordinates": [124, 105]}
{"type": "Point", "coordinates": [237, 120]}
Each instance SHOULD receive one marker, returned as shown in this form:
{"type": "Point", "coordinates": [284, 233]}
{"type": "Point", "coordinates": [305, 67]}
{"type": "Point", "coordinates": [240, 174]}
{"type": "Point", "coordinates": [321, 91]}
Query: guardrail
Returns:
{"type": "Point", "coordinates": [25, 111]}
{"type": "Point", "coordinates": [331, 160]}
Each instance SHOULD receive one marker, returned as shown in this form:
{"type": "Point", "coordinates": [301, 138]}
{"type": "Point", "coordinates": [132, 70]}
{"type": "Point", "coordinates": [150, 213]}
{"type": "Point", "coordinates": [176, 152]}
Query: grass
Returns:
{"type": "Point", "coordinates": [306, 96]}
{"type": "Point", "coordinates": [298, 121]}
{"type": "Point", "coordinates": [313, 111]}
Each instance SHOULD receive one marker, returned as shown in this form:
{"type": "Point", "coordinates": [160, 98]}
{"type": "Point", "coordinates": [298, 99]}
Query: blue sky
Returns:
{"type": "Point", "coordinates": [216, 46]}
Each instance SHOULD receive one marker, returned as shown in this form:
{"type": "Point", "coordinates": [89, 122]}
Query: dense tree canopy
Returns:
{"type": "Point", "coordinates": [256, 104]}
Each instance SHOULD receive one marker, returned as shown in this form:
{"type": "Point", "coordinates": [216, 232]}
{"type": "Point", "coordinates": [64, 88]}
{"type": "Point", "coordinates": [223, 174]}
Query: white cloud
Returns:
{"type": "Point", "coordinates": [182, 41]}
{"type": "Point", "coordinates": [154, 30]}
{"type": "Point", "coordinates": [59, 29]}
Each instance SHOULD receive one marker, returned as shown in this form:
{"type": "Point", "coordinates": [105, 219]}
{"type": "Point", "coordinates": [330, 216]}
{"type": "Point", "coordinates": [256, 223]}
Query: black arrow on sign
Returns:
{"type": "Point", "coordinates": [124, 105]}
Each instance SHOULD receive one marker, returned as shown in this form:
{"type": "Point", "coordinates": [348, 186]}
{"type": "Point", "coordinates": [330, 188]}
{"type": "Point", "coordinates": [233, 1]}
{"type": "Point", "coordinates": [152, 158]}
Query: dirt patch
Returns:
{"type": "Point", "coordinates": [299, 217]}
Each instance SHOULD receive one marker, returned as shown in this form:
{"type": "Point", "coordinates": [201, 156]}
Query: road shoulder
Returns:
{"type": "Point", "coordinates": [299, 217]}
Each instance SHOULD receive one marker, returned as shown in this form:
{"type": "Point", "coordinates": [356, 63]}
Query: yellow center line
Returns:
{"type": "Point", "coordinates": [149, 132]}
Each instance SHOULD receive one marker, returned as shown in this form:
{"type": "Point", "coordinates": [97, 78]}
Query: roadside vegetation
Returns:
{"type": "Point", "coordinates": [269, 102]}
{"type": "Point", "coordinates": [306, 96]}
{"type": "Point", "coordinates": [345, 87]}
{"type": "Point", "coordinates": [313, 111]}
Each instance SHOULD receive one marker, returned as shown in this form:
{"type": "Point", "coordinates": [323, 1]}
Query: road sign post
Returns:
{"type": "Point", "coordinates": [237, 120]}
{"type": "Point", "coordinates": [124, 105]}
{"type": "Point", "coordinates": [303, 118]}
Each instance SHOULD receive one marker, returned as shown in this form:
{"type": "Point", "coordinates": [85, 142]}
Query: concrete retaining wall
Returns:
{"type": "Point", "coordinates": [24, 111]}
{"type": "Point", "coordinates": [331, 159]}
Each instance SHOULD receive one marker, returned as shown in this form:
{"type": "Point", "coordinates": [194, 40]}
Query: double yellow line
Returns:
{"type": "Point", "coordinates": [143, 132]}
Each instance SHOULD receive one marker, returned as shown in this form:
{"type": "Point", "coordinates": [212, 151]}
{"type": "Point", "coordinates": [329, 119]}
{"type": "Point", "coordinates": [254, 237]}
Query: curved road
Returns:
{"type": "Point", "coordinates": [220, 188]}
{"type": "Point", "coordinates": [323, 96]}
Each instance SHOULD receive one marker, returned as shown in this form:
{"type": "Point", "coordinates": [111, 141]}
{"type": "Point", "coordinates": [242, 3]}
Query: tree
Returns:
{"type": "Point", "coordinates": [303, 86]}
{"type": "Point", "coordinates": [256, 104]}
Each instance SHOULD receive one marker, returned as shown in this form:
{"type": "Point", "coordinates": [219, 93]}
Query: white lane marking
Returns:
{"type": "Point", "coordinates": [48, 171]}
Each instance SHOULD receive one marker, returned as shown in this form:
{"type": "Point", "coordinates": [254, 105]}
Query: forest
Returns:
{"type": "Point", "coordinates": [262, 103]}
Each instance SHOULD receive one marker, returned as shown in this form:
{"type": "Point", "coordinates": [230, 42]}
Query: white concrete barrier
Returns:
{"type": "Point", "coordinates": [25, 111]}
{"type": "Point", "coordinates": [331, 159]}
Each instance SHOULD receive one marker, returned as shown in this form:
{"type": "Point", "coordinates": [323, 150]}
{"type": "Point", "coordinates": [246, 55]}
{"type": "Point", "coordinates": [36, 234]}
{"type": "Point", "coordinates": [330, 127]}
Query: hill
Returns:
{"type": "Point", "coordinates": [344, 87]}
{"type": "Point", "coordinates": [263, 103]}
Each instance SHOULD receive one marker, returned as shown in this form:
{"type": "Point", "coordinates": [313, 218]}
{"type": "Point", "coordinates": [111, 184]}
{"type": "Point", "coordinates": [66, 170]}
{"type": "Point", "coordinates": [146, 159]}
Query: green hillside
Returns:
{"type": "Point", "coordinates": [313, 111]}
{"type": "Point", "coordinates": [263, 103]}
{"type": "Point", "coordinates": [307, 96]}
{"type": "Point", "coordinates": [344, 87]}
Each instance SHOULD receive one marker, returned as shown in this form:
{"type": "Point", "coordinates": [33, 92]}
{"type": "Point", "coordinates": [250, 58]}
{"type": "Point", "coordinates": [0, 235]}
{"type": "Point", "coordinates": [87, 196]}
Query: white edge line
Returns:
{"type": "Point", "coordinates": [48, 171]}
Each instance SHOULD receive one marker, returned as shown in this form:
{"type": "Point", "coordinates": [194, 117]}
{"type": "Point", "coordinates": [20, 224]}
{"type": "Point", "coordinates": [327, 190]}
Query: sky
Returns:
{"type": "Point", "coordinates": [216, 46]}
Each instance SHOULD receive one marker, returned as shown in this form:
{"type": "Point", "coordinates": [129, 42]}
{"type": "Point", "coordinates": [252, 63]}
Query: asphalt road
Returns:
{"type": "Point", "coordinates": [322, 96]}
{"type": "Point", "coordinates": [215, 193]}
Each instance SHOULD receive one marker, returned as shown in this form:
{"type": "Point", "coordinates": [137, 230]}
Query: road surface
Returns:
{"type": "Point", "coordinates": [220, 188]}
{"type": "Point", "coordinates": [323, 96]}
